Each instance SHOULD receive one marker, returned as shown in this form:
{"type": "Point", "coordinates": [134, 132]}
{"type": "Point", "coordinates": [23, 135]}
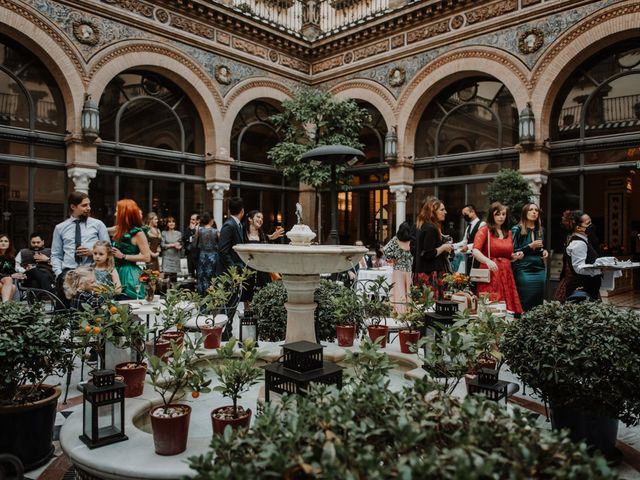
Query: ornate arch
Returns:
{"type": "Point", "coordinates": [55, 51]}
{"type": "Point", "coordinates": [371, 92]}
{"type": "Point", "coordinates": [245, 92]}
{"type": "Point", "coordinates": [602, 29]}
{"type": "Point", "coordinates": [447, 69]}
{"type": "Point", "coordinates": [170, 63]}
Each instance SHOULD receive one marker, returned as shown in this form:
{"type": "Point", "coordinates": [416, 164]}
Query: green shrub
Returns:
{"type": "Point", "coordinates": [510, 188]}
{"type": "Point", "coordinates": [268, 304]}
{"type": "Point", "coordinates": [367, 431]}
{"type": "Point", "coordinates": [584, 356]}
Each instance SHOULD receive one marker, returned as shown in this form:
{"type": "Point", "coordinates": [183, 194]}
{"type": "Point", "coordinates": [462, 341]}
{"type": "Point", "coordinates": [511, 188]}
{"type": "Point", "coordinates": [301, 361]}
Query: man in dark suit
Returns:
{"type": "Point", "coordinates": [231, 234]}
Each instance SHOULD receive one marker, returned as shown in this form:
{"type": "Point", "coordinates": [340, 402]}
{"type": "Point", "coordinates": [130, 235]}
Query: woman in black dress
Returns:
{"type": "Point", "coordinates": [431, 259]}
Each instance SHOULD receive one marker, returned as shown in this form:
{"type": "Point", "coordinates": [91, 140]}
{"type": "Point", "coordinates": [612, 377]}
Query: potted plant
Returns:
{"type": "Point", "coordinates": [584, 358]}
{"type": "Point", "coordinates": [235, 375]}
{"type": "Point", "coordinates": [178, 307]}
{"type": "Point", "coordinates": [348, 314]}
{"type": "Point", "coordinates": [132, 333]}
{"type": "Point", "coordinates": [149, 278]}
{"type": "Point", "coordinates": [377, 308]}
{"type": "Point", "coordinates": [420, 300]}
{"type": "Point", "coordinates": [169, 377]}
{"type": "Point", "coordinates": [33, 346]}
{"type": "Point", "coordinates": [215, 301]}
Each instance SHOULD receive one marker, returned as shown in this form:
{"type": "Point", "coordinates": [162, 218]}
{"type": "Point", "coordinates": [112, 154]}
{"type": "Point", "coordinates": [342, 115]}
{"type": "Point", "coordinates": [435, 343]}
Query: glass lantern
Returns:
{"type": "Point", "coordinates": [103, 410]}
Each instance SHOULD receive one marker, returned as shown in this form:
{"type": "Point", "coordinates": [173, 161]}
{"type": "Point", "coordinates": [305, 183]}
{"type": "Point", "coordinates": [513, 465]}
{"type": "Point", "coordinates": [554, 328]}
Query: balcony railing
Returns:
{"type": "Point", "coordinates": [616, 109]}
{"type": "Point", "coordinates": [13, 107]}
{"type": "Point", "coordinates": [328, 16]}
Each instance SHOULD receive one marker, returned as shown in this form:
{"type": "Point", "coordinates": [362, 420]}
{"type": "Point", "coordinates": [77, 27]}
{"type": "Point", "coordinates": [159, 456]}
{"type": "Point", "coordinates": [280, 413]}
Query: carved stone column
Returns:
{"type": "Point", "coordinates": [81, 177]}
{"type": "Point", "coordinates": [536, 181]}
{"type": "Point", "coordinates": [401, 192]}
{"type": "Point", "coordinates": [218, 189]}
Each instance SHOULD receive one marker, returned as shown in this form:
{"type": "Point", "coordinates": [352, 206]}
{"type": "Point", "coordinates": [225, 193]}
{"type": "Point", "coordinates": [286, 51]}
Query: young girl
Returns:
{"type": "Point", "coordinates": [78, 287]}
{"type": "Point", "coordinates": [104, 266]}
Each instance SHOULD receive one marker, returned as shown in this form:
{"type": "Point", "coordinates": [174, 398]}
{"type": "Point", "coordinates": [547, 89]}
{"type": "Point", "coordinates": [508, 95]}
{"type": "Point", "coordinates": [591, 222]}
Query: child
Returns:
{"type": "Point", "coordinates": [104, 266]}
{"type": "Point", "coordinates": [78, 287]}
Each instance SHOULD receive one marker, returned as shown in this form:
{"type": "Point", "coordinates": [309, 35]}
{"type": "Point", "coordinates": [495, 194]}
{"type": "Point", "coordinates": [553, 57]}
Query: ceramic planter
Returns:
{"type": "Point", "coordinates": [212, 335]}
{"type": "Point", "coordinates": [160, 348]}
{"type": "Point", "coordinates": [345, 334]}
{"type": "Point", "coordinates": [177, 336]}
{"type": "Point", "coordinates": [170, 434]}
{"type": "Point", "coordinates": [408, 338]}
{"type": "Point", "coordinates": [219, 424]}
{"type": "Point", "coordinates": [376, 331]}
{"type": "Point", "coordinates": [26, 431]}
{"type": "Point", "coordinates": [133, 378]}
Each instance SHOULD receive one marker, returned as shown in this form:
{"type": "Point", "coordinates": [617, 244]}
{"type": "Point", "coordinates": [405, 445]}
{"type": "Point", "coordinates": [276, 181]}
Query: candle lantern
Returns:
{"type": "Point", "coordinates": [103, 410]}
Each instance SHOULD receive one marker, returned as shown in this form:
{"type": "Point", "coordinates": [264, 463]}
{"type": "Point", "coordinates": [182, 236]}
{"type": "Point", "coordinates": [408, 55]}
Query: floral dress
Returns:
{"type": "Point", "coordinates": [128, 271]}
{"type": "Point", "coordinates": [502, 284]}
{"type": "Point", "coordinates": [401, 277]}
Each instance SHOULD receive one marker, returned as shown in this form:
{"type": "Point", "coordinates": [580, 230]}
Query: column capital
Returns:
{"type": "Point", "coordinates": [81, 177]}
{"type": "Point", "coordinates": [218, 188]}
{"type": "Point", "coordinates": [536, 181]}
{"type": "Point", "coordinates": [401, 191]}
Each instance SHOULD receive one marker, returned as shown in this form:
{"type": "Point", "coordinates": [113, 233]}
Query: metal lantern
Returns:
{"type": "Point", "coordinates": [90, 120]}
{"type": "Point", "coordinates": [527, 127]}
{"type": "Point", "coordinates": [391, 145]}
{"type": "Point", "coordinates": [103, 410]}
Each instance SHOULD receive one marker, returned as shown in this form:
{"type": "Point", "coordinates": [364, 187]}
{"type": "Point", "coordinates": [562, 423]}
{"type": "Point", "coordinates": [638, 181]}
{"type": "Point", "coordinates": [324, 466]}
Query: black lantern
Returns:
{"type": "Point", "coordinates": [527, 128]}
{"type": "Point", "coordinates": [391, 146]}
{"type": "Point", "coordinates": [90, 120]}
{"type": "Point", "coordinates": [103, 410]}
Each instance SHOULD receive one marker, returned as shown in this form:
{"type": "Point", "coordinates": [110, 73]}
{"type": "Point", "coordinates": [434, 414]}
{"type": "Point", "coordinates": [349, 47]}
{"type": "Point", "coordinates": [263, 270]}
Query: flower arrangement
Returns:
{"type": "Point", "coordinates": [456, 281]}
{"type": "Point", "coordinates": [149, 276]}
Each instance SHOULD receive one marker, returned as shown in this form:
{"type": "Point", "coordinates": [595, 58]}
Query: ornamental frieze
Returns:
{"type": "Point", "coordinates": [491, 11]}
{"type": "Point", "coordinates": [429, 31]}
{"type": "Point", "coordinates": [370, 50]}
{"type": "Point", "coordinates": [250, 48]}
{"type": "Point", "coordinates": [134, 6]}
{"type": "Point", "coordinates": [293, 63]}
{"type": "Point", "coordinates": [190, 26]}
{"type": "Point", "coordinates": [327, 64]}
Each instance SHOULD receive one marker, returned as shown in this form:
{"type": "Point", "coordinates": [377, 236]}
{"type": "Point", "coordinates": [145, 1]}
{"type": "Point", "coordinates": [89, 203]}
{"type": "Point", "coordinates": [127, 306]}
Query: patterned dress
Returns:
{"type": "Point", "coordinates": [128, 271]}
{"type": "Point", "coordinates": [206, 242]}
{"type": "Point", "coordinates": [401, 277]}
{"type": "Point", "coordinates": [502, 282]}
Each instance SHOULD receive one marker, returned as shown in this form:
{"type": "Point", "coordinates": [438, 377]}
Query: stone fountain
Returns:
{"type": "Point", "coordinates": [301, 265]}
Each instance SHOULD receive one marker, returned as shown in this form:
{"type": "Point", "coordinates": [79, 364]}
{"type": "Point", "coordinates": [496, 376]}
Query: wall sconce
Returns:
{"type": "Point", "coordinates": [391, 146]}
{"type": "Point", "coordinates": [527, 128]}
{"type": "Point", "coordinates": [90, 119]}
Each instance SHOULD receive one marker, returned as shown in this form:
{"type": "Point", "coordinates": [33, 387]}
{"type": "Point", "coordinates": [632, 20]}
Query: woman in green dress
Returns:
{"type": "Point", "coordinates": [130, 245]}
{"type": "Point", "coordinates": [530, 272]}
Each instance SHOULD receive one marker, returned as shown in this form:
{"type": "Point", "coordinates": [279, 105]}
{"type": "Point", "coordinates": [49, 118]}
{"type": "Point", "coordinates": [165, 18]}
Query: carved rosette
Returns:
{"type": "Point", "coordinates": [457, 22]}
{"type": "Point", "coordinates": [161, 15]}
{"type": "Point", "coordinates": [530, 41]}
{"type": "Point", "coordinates": [86, 32]}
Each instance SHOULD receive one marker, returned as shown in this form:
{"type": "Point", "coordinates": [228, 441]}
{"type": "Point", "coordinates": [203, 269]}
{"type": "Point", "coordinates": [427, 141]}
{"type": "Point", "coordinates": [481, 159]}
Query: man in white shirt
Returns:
{"type": "Point", "coordinates": [465, 246]}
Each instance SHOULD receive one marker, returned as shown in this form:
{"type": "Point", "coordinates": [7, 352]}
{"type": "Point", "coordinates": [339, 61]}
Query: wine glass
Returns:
{"type": "Point", "coordinates": [137, 291]}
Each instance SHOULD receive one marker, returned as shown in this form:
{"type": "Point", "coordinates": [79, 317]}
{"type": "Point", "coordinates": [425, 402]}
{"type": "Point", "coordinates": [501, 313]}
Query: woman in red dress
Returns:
{"type": "Point", "coordinates": [493, 248]}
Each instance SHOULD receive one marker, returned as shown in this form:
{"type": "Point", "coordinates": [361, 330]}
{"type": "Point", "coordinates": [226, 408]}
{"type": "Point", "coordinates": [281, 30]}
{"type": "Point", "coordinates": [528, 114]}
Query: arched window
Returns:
{"type": "Point", "coordinates": [33, 184]}
{"type": "Point", "coordinates": [602, 96]}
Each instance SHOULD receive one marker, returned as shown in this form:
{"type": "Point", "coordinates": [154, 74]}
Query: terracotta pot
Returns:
{"type": "Point", "coordinates": [212, 335]}
{"type": "Point", "coordinates": [408, 338]}
{"type": "Point", "coordinates": [133, 378]}
{"type": "Point", "coordinates": [26, 431]}
{"type": "Point", "coordinates": [219, 424]}
{"type": "Point", "coordinates": [378, 331]}
{"type": "Point", "coordinates": [160, 348]}
{"type": "Point", "coordinates": [170, 434]}
{"type": "Point", "coordinates": [177, 336]}
{"type": "Point", "coordinates": [345, 334]}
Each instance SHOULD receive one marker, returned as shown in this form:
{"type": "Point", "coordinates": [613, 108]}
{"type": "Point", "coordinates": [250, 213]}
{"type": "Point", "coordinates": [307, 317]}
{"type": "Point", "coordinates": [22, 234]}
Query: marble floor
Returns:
{"type": "Point", "coordinates": [60, 468]}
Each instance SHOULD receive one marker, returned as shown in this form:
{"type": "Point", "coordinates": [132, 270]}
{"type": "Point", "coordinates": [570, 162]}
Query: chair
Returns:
{"type": "Point", "coordinates": [11, 467]}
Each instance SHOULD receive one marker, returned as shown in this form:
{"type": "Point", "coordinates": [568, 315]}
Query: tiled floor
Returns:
{"type": "Point", "coordinates": [60, 468]}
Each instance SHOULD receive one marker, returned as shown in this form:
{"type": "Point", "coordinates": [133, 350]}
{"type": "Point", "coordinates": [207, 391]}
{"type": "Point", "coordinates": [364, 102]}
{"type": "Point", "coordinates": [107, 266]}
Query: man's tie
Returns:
{"type": "Point", "coordinates": [78, 240]}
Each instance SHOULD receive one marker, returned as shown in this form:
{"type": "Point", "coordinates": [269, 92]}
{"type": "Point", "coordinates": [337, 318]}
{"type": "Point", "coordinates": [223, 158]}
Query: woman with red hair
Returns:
{"type": "Point", "coordinates": [432, 251]}
{"type": "Point", "coordinates": [130, 245]}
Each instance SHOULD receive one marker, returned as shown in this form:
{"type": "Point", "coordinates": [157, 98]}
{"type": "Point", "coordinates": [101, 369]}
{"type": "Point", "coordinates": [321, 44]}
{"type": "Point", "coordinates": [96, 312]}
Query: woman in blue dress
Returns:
{"type": "Point", "coordinates": [530, 271]}
{"type": "Point", "coordinates": [130, 246]}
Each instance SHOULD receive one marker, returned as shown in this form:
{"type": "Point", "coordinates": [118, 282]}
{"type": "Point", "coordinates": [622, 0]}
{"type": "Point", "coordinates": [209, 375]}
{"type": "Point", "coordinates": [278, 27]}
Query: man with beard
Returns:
{"type": "Point", "coordinates": [73, 239]}
{"type": "Point", "coordinates": [35, 263]}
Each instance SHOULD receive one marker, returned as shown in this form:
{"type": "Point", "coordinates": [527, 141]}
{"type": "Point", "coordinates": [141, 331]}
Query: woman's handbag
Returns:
{"type": "Point", "coordinates": [482, 275]}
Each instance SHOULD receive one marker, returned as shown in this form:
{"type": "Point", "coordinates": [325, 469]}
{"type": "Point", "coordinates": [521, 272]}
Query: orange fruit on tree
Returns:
{"type": "Point", "coordinates": [195, 394]}
{"type": "Point", "coordinates": [96, 330]}
{"type": "Point", "coordinates": [113, 309]}
{"type": "Point", "coordinates": [87, 328]}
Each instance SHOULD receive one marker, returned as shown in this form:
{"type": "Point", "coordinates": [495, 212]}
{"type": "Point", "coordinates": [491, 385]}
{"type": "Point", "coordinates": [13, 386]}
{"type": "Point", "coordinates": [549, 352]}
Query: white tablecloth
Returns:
{"type": "Point", "coordinates": [368, 275]}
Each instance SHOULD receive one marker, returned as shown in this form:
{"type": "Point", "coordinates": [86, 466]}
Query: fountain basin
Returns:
{"type": "Point", "coordinates": [300, 259]}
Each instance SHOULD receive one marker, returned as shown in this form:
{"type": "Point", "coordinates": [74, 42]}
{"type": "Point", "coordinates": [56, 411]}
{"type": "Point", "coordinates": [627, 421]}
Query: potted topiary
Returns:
{"type": "Point", "coordinates": [169, 377]}
{"type": "Point", "coordinates": [235, 375]}
{"type": "Point", "coordinates": [33, 346]}
{"type": "Point", "coordinates": [377, 308]}
{"type": "Point", "coordinates": [420, 300]}
{"type": "Point", "coordinates": [585, 359]}
{"type": "Point", "coordinates": [348, 314]}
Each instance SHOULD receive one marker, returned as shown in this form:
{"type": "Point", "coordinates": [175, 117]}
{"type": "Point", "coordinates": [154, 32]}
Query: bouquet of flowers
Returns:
{"type": "Point", "coordinates": [457, 282]}
{"type": "Point", "coordinates": [149, 276]}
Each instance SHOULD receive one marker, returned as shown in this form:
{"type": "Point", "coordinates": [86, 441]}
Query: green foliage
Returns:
{"type": "Point", "coordinates": [182, 369]}
{"type": "Point", "coordinates": [511, 189]}
{"type": "Point", "coordinates": [584, 356]}
{"type": "Point", "coordinates": [223, 287]}
{"type": "Point", "coordinates": [178, 307]}
{"type": "Point", "coordinates": [237, 375]}
{"type": "Point", "coordinates": [375, 297]}
{"type": "Point", "coordinates": [368, 431]}
{"type": "Point", "coordinates": [268, 304]}
{"type": "Point", "coordinates": [420, 300]}
{"type": "Point", "coordinates": [347, 308]}
{"type": "Point", "coordinates": [312, 118]}
{"type": "Point", "coordinates": [33, 346]}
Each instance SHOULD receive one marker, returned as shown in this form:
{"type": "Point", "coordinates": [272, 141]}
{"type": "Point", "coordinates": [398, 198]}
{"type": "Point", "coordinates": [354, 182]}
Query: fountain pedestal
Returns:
{"type": "Point", "coordinates": [300, 307]}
